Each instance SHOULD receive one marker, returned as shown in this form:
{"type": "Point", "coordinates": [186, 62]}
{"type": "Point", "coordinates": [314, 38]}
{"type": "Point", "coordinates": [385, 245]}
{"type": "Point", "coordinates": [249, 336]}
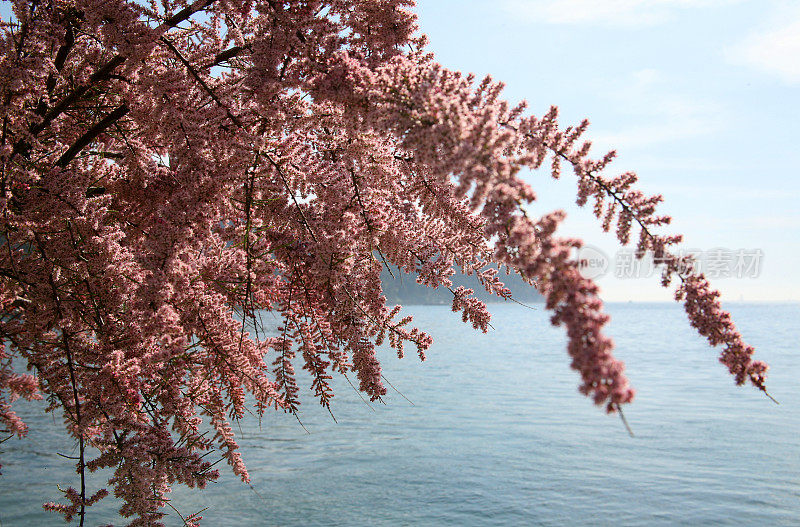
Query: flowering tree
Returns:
{"type": "Point", "coordinates": [170, 169]}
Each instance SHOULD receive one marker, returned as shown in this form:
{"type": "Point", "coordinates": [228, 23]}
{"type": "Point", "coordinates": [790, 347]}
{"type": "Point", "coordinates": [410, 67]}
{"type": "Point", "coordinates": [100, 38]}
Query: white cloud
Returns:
{"type": "Point", "coordinates": [657, 111]}
{"type": "Point", "coordinates": [662, 129]}
{"type": "Point", "coordinates": [730, 193]}
{"type": "Point", "coordinates": [774, 50]}
{"type": "Point", "coordinates": [758, 223]}
{"type": "Point", "coordinates": [616, 13]}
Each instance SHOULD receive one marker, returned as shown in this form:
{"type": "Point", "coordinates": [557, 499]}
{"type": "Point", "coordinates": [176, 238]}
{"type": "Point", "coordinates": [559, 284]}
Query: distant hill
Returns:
{"type": "Point", "coordinates": [404, 289]}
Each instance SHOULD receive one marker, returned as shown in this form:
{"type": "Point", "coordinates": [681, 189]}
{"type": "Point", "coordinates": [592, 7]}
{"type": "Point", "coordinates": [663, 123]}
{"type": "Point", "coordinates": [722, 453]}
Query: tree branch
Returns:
{"type": "Point", "coordinates": [187, 11]}
{"type": "Point", "coordinates": [222, 56]}
{"type": "Point", "coordinates": [91, 135]}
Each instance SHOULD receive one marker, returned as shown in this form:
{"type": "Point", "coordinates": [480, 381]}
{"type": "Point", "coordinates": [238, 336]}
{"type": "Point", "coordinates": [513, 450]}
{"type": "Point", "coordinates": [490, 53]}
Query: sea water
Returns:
{"type": "Point", "coordinates": [495, 433]}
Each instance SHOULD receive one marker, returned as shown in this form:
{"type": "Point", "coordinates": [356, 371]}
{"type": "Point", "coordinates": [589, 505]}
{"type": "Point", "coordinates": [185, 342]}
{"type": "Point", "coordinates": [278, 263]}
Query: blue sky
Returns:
{"type": "Point", "coordinates": [699, 97]}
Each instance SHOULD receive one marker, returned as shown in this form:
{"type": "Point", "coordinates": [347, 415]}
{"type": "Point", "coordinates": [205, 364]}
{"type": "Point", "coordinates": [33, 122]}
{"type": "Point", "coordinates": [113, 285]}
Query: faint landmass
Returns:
{"type": "Point", "coordinates": [403, 289]}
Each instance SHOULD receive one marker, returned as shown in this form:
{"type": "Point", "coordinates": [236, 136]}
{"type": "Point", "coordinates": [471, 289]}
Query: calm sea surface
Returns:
{"type": "Point", "coordinates": [498, 435]}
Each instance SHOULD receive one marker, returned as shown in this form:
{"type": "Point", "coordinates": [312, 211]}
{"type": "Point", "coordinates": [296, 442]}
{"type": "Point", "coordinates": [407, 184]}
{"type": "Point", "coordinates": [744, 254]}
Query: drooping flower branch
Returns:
{"type": "Point", "coordinates": [616, 200]}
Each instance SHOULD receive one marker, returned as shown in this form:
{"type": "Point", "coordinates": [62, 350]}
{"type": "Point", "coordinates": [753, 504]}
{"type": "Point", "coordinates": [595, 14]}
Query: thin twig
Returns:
{"type": "Point", "coordinates": [398, 391]}
{"type": "Point", "coordinates": [200, 81]}
{"type": "Point", "coordinates": [624, 421]}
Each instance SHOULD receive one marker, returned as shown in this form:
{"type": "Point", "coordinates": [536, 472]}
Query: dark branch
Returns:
{"type": "Point", "coordinates": [187, 11]}
{"type": "Point", "coordinates": [223, 56]}
{"type": "Point", "coordinates": [92, 134]}
{"type": "Point", "coordinates": [23, 147]}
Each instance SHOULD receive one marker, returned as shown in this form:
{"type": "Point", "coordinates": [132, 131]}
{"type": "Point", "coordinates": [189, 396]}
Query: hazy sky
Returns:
{"type": "Point", "coordinates": [699, 97]}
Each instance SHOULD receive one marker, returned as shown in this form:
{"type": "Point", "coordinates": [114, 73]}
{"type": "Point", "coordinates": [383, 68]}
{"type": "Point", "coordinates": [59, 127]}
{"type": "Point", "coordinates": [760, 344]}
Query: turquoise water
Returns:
{"type": "Point", "coordinates": [497, 435]}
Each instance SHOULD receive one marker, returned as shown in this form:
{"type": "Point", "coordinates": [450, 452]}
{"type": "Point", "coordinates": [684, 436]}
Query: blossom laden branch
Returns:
{"type": "Point", "coordinates": [700, 300]}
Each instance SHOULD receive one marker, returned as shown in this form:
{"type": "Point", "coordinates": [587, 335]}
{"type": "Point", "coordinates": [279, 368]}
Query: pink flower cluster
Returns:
{"type": "Point", "coordinates": [706, 315]}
